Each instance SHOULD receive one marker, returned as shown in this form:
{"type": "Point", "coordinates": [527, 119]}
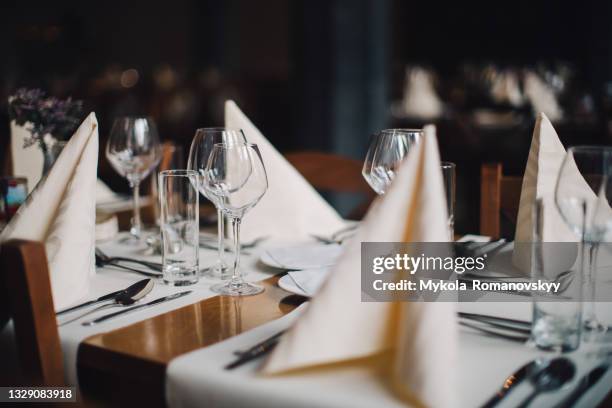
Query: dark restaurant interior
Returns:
{"type": "Point", "coordinates": [318, 75]}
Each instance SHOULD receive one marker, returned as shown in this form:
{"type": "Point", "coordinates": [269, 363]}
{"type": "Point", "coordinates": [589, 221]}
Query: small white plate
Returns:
{"type": "Point", "coordinates": [289, 285]}
{"type": "Point", "coordinates": [302, 256]}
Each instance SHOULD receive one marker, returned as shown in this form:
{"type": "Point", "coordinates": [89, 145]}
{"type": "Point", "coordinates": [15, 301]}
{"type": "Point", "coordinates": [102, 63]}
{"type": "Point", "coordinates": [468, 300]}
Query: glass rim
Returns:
{"type": "Point", "coordinates": [394, 131]}
{"type": "Point", "coordinates": [218, 129]}
{"type": "Point", "coordinates": [447, 165]}
{"type": "Point", "coordinates": [133, 117]}
{"type": "Point", "coordinates": [178, 173]}
{"type": "Point", "coordinates": [589, 148]}
{"type": "Point", "coordinates": [234, 144]}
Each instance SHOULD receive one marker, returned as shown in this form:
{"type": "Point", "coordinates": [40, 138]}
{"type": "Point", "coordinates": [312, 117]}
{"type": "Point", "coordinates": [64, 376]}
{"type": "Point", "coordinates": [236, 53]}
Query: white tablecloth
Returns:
{"type": "Point", "coordinates": [198, 379]}
{"type": "Point", "coordinates": [109, 279]}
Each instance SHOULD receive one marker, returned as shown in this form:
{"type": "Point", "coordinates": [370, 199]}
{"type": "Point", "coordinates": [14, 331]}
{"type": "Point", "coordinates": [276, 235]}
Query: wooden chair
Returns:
{"type": "Point", "coordinates": [499, 196]}
{"type": "Point", "coordinates": [28, 299]}
{"type": "Point", "coordinates": [333, 173]}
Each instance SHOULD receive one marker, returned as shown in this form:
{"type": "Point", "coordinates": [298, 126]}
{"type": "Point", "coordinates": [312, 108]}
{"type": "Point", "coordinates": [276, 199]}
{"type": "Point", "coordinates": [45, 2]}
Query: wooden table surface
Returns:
{"type": "Point", "coordinates": [127, 366]}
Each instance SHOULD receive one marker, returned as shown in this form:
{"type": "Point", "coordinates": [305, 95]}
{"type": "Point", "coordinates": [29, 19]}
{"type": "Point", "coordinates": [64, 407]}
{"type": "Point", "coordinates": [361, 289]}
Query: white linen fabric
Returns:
{"type": "Point", "coordinates": [305, 256]}
{"type": "Point", "coordinates": [27, 162]}
{"type": "Point", "coordinates": [420, 99]}
{"type": "Point", "coordinates": [546, 155]}
{"type": "Point", "coordinates": [309, 280]}
{"type": "Point", "coordinates": [542, 97]}
{"type": "Point", "coordinates": [339, 328]}
{"type": "Point", "coordinates": [198, 378]}
{"type": "Point", "coordinates": [61, 212]}
{"type": "Point", "coordinates": [291, 208]}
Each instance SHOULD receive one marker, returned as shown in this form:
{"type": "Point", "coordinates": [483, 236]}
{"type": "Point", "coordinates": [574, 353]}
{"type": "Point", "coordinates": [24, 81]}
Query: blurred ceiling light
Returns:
{"type": "Point", "coordinates": [129, 78]}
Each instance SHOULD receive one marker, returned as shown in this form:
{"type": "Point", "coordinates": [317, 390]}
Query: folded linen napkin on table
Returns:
{"type": "Point", "coordinates": [416, 343]}
{"type": "Point", "coordinates": [61, 212]}
{"type": "Point", "coordinates": [546, 155]}
{"type": "Point", "coordinates": [291, 208]}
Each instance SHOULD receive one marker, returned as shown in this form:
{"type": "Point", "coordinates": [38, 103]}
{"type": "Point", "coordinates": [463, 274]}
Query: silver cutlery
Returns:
{"type": "Point", "coordinates": [156, 266]}
{"type": "Point", "coordinates": [109, 296]}
{"type": "Point", "coordinates": [256, 351]}
{"type": "Point", "coordinates": [101, 263]}
{"type": "Point", "coordinates": [521, 338]}
{"type": "Point", "coordinates": [497, 324]}
{"type": "Point", "coordinates": [126, 297]}
{"type": "Point", "coordinates": [586, 382]}
{"type": "Point", "coordinates": [511, 382]}
{"type": "Point", "coordinates": [131, 309]}
{"type": "Point", "coordinates": [553, 376]}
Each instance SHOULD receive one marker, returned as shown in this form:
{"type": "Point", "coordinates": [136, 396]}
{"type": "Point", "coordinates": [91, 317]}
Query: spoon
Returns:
{"type": "Point", "coordinates": [557, 373]}
{"type": "Point", "coordinates": [126, 297]}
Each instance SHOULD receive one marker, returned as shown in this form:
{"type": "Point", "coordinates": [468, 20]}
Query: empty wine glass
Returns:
{"type": "Point", "coordinates": [199, 153]}
{"type": "Point", "coordinates": [387, 150]}
{"type": "Point", "coordinates": [133, 150]}
{"type": "Point", "coordinates": [583, 195]}
{"type": "Point", "coordinates": [235, 175]}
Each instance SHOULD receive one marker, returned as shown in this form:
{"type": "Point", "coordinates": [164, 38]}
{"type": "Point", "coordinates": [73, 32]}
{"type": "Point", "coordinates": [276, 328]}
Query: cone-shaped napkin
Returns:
{"type": "Point", "coordinates": [415, 342]}
{"type": "Point", "coordinates": [61, 212]}
{"type": "Point", "coordinates": [291, 207]}
{"type": "Point", "coordinates": [546, 155]}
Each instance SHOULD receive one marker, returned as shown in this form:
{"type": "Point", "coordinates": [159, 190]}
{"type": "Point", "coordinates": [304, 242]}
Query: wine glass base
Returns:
{"type": "Point", "coordinates": [236, 289]}
{"type": "Point", "coordinates": [594, 331]}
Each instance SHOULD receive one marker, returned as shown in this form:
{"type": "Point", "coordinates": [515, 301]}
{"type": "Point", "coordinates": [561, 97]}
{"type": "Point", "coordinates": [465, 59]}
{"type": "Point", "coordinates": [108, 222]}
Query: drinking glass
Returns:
{"type": "Point", "coordinates": [180, 226]}
{"type": "Point", "coordinates": [449, 178]}
{"type": "Point", "coordinates": [557, 325]}
{"type": "Point", "coordinates": [386, 152]}
{"type": "Point", "coordinates": [133, 150]}
{"type": "Point", "coordinates": [201, 148]}
{"type": "Point", "coordinates": [235, 175]}
{"type": "Point", "coordinates": [583, 194]}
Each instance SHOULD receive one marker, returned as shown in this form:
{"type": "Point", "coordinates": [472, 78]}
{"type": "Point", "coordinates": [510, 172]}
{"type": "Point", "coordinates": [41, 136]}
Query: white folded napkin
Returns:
{"type": "Point", "coordinates": [305, 256]}
{"type": "Point", "coordinates": [309, 280]}
{"type": "Point", "coordinates": [546, 155]}
{"type": "Point", "coordinates": [61, 212]}
{"type": "Point", "coordinates": [420, 98]}
{"type": "Point", "coordinates": [414, 345]}
{"type": "Point", "coordinates": [27, 162]}
{"type": "Point", "coordinates": [542, 97]}
{"type": "Point", "coordinates": [291, 207]}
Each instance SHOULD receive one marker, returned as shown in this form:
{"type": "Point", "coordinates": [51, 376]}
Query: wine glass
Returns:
{"type": "Point", "coordinates": [583, 195]}
{"type": "Point", "coordinates": [386, 152]}
{"type": "Point", "coordinates": [134, 150]}
{"type": "Point", "coordinates": [201, 147]}
{"type": "Point", "coordinates": [236, 176]}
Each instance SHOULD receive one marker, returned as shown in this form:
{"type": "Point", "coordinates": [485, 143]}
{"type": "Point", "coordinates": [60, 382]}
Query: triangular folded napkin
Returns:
{"type": "Point", "coordinates": [61, 212]}
{"type": "Point", "coordinates": [546, 155]}
{"type": "Point", "coordinates": [414, 343]}
{"type": "Point", "coordinates": [291, 208]}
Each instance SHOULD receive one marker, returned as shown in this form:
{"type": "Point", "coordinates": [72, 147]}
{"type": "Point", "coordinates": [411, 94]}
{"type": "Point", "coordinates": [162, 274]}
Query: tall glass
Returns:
{"type": "Point", "coordinates": [199, 153]}
{"type": "Point", "coordinates": [387, 150]}
{"type": "Point", "coordinates": [557, 325]}
{"type": "Point", "coordinates": [450, 181]}
{"type": "Point", "coordinates": [236, 176]}
{"type": "Point", "coordinates": [180, 226]}
{"type": "Point", "coordinates": [583, 195]}
{"type": "Point", "coordinates": [134, 150]}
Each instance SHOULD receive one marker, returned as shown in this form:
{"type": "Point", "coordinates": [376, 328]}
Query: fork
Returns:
{"type": "Point", "coordinates": [104, 258]}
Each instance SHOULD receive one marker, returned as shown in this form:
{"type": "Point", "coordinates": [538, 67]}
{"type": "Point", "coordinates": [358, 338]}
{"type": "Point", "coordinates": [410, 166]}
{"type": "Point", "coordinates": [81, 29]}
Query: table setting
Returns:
{"type": "Point", "coordinates": [318, 339]}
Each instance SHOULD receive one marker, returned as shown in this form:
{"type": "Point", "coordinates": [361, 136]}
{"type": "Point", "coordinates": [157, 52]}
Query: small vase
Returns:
{"type": "Point", "coordinates": [51, 154]}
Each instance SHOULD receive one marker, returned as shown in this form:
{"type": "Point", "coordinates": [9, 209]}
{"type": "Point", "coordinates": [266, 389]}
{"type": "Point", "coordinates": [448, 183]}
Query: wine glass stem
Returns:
{"type": "Point", "coordinates": [221, 236]}
{"type": "Point", "coordinates": [237, 275]}
{"type": "Point", "coordinates": [136, 222]}
{"type": "Point", "coordinates": [589, 281]}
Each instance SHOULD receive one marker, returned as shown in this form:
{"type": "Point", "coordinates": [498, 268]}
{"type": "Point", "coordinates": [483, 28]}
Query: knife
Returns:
{"type": "Point", "coordinates": [151, 303]}
{"type": "Point", "coordinates": [256, 351]}
{"type": "Point", "coordinates": [109, 296]}
{"type": "Point", "coordinates": [586, 382]}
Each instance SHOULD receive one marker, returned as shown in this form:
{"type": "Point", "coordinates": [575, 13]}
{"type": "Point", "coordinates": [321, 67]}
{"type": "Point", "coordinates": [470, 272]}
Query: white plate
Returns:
{"type": "Point", "coordinates": [289, 285]}
{"type": "Point", "coordinates": [266, 259]}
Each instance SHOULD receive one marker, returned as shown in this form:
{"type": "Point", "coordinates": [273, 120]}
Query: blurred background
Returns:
{"type": "Point", "coordinates": [326, 74]}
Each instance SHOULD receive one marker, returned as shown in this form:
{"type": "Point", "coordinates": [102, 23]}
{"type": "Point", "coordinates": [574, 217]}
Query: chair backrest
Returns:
{"type": "Point", "coordinates": [334, 173]}
{"type": "Point", "coordinates": [28, 297]}
{"type": "Point", "coordinates": [499, 196]}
